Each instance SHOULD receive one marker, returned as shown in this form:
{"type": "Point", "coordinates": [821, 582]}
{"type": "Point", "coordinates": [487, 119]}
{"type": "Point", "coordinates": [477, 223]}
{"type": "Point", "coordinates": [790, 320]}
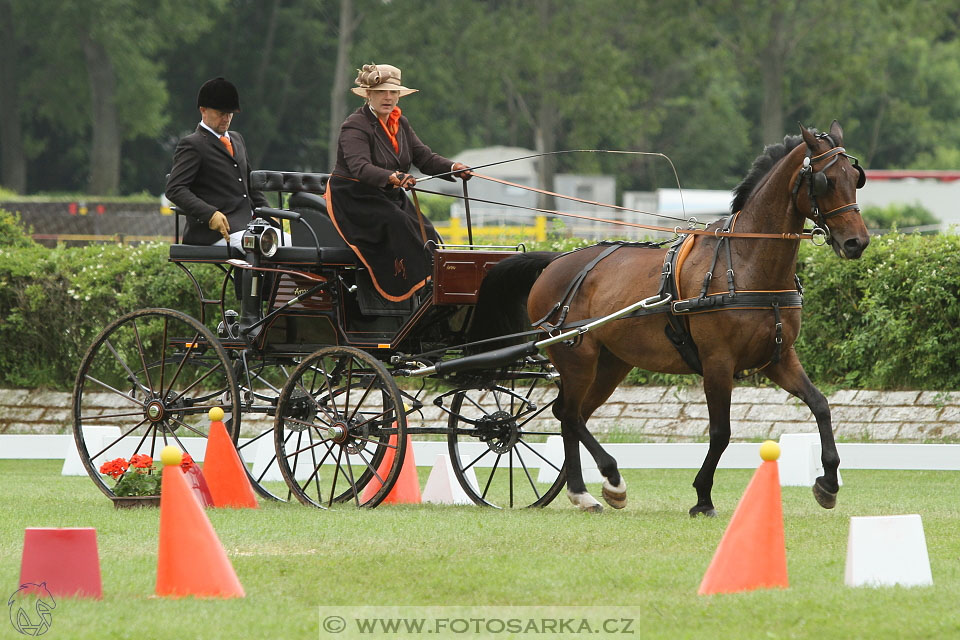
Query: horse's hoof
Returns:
{"type": "Point", "coordinates": [706, 511]}
{"type": "Point", "coordinates": [616, 496]}
{"type": "Point", "coordinates": [585, 502]}
{"type": "Point", "coordinates": [825, 498]}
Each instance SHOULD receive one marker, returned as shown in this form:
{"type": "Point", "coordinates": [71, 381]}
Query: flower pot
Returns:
{"type": "Point", "coordinates": [129, 502]}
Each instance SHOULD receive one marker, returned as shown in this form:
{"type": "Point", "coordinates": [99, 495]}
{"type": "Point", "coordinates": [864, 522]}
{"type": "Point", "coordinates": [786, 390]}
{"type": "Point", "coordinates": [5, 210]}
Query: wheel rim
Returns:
{"type": "Point", "coordinates": [158, 372]}
{"type": "Point", "coordinates": [340, 430]}
{"type": "Point", "coordinates": [497, 444]}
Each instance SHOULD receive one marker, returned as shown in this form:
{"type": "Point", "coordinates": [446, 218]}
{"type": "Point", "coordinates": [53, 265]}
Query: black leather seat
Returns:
{"type": "Point", "coordinates": [313, 211]}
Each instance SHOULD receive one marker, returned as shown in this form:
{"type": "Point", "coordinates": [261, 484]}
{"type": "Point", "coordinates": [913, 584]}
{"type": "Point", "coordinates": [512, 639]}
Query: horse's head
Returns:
{"type": "Point", "coordinates": [825, 191]}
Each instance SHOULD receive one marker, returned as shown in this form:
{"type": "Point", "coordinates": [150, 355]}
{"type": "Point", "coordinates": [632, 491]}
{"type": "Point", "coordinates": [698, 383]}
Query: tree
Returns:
{"type": "Point", "coordinates": [13, 160]}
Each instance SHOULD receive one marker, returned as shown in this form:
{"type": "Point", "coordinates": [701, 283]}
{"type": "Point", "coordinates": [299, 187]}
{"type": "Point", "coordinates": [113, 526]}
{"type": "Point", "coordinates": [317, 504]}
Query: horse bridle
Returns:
{"type": "Point", "coordinates": [818, 183]}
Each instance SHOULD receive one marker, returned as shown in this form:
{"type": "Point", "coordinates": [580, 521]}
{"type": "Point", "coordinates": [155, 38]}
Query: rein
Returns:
{"type": "Point", "coordinates": [717, 233]}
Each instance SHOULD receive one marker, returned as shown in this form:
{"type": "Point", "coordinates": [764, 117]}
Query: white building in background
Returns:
{"type": "Point", "coordinates": [936, 191]}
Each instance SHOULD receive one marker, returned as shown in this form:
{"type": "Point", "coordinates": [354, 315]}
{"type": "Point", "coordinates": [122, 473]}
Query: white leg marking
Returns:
{"type": "Point", "coordinates": [585, 502]}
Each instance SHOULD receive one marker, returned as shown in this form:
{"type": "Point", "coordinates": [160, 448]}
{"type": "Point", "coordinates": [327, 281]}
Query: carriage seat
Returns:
{"type": "Point", "coordinates": [304, 199]}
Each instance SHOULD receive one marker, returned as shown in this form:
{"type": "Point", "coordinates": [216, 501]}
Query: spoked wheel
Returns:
{"type": "Point", "coordinates": [147, 381]}
{"type": "Point", "coordinates": [340, 432]}
{"type": "Point", "coordinates": [259, 380]}
{"type": "Point", "coordinates": [498, 440]}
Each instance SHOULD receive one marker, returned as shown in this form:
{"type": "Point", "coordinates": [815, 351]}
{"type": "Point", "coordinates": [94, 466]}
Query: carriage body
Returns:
{"type": "Point", "coordinates": [302, 354]}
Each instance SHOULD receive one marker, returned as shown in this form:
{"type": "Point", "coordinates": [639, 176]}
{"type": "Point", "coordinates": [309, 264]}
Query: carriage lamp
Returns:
{"type": "Point", "coordinates": [261, 238]}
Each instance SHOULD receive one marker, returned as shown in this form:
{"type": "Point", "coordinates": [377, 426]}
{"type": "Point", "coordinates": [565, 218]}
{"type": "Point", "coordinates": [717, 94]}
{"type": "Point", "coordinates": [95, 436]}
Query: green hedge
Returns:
{"type": "Point", "coordinates": [889, 320]}
{"type": "Point", "coordinates": [886, 321]}
{"type": "Point", "coordinates": [53, 302]}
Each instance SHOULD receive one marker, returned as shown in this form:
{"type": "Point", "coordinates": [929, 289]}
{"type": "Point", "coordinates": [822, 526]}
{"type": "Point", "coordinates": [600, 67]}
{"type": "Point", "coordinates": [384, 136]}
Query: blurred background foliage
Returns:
{"type": "Point", "coordinates": [95, 93]}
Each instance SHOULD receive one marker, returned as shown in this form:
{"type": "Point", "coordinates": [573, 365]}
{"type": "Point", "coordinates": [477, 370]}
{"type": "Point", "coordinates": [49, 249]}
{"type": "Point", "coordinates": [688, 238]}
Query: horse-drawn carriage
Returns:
{"type": "Point", "coordinates": [340, 373]}
{"type": "Point", "coordinates": [313, 347]}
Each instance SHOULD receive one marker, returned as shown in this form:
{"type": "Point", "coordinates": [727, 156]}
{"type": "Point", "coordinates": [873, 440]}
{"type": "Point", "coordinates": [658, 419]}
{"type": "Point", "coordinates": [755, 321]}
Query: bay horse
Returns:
{"type": "Point", "coordinates": [809, 176]}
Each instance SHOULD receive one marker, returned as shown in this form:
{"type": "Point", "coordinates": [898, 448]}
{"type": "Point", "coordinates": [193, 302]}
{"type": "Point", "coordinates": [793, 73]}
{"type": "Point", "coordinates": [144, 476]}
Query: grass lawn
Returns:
{"type": "Point", "coordinates": [647, 561]}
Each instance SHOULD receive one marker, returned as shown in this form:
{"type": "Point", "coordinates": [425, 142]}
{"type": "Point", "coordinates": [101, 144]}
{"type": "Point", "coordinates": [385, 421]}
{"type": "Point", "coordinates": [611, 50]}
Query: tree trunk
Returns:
{"type": "Point", "coordinates": [338, 92]}
{"type": "Point", "coordinates": [13, 160]}
{"type": "Point", "coordinates": [546, 142]}
{"type": "Point", "coordinates": [105, 146]}
{"type": "Point", "coordinates": [546, 128]}
{"type": "Point", "coordinates": [772, 70]}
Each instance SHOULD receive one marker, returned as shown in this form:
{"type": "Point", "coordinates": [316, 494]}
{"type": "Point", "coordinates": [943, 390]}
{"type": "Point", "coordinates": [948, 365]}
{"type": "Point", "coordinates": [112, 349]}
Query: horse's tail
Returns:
{"type": "Point", "coordinates": [502, 300]}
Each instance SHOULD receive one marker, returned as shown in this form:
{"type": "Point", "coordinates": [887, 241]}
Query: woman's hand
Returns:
{"type": "Point", "coordinates": [401, 180]}
{"type": "Point", "coordinates": [461, 171]}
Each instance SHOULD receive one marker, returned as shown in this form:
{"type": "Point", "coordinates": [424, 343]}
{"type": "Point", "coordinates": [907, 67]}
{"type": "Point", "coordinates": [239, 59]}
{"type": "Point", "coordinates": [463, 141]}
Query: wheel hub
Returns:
{"type": "Point", "coordinates": [338, 432]}
{"type": "Point", "coordinates": [499, 430]}
{"type": "Point", "coordinates": [154, 411]}
{"type": "Point", "coordinates": [169, 411]}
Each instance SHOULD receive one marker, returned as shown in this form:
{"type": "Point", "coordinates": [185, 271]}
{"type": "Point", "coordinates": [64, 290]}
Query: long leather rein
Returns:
{"type": "Point", "coordinates": [832, 154]}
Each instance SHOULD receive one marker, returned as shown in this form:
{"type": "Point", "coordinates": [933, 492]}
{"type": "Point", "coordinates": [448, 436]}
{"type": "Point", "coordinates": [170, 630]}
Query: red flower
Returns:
{"type": "Point", "coordinates": [186, 462]}
{"type": "Point", "coordinates": [114, 468]}
{"type": "Point", "coordinates": [142, 462]}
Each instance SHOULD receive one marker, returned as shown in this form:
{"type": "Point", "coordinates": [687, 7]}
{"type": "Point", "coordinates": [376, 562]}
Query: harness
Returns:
{"type": "Point", "coordinates": [677, 328]}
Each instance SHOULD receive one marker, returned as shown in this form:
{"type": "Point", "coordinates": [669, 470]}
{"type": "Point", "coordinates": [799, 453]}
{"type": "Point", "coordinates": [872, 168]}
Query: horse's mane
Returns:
{"type": "Point", "coordinates": [772, 154]}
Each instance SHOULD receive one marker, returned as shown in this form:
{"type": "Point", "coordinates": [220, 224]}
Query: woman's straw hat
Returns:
{"type": "Point", "coordinates": [379, 77]}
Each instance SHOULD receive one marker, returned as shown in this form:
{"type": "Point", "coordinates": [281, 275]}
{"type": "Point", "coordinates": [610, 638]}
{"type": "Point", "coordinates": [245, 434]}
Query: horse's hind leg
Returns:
{"type": "Point", "coordinates": [611, 370]}
{"type": "Point", "coordinates": [717, 387]}
{"type": "Point", "coordinates": [789, 374]}
{"type": "Point", "coordinates": [567, 410]}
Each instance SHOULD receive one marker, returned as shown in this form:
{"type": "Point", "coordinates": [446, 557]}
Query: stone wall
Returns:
{"type": "Point", "coordinates": [651, 414]}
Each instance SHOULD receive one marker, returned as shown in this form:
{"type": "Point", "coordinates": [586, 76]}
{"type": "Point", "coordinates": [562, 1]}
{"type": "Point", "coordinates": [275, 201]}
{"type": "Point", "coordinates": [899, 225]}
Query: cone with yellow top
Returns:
{"type": "Point", "coordinates": [752, 553]}
{"type": "Point", "coordinates": [223, 469]}
{"type": "Point", "coordinates": [190, 559]}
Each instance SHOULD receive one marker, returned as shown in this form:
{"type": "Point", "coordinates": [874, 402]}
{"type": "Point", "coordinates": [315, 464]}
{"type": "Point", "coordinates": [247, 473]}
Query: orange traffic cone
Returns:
{"type": "Point", "coordinates": [752, 553]}
{"type": "Point", "coordinates": [223, 469]}
{"type": "Point", "coordinates": [407, 488]}
{"type": "Point", "coordinates": [190, 560]}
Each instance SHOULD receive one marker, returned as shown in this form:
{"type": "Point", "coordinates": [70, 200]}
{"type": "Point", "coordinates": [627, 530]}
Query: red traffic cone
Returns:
{"type": "Point", "coordinates": [65, 559]}
{"type": "Point", "coordinates": [190, 559]}
{"type": "Point", "coordinates": [223, 469]}
{"type": "Point", "coordinates": [752, 553]}
{"type": "Point", "coordinates": [407, 488]}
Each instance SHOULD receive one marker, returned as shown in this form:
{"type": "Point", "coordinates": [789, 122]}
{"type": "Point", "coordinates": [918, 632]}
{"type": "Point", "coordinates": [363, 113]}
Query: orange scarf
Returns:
{"type": "Point", "coordinates": [391, 126]}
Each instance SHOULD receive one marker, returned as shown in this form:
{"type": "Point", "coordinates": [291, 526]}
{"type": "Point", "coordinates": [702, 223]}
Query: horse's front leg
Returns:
{"type": "Point", "coordinates": [717, 387]}
{"type": "Point", "coordinates": [789, 374]}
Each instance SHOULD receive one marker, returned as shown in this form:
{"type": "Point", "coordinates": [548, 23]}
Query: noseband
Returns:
{"type": "Point", "coordinates": [818, 184]}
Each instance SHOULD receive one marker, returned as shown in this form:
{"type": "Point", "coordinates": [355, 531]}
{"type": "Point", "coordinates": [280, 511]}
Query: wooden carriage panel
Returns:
{"type": "Point", "coordinates": [290, 287]}
{"type": "Point", "coordinates": [457, 274]}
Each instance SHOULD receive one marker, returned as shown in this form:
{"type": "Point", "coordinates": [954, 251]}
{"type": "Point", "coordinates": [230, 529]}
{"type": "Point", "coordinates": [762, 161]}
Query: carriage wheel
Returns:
{"type": "Point", "coordinates": [340, 431]}
{"type": "Point", "coordinates": [259, 381]}
{"type": "Point", "coordinates": [151, 375]}
{"type": "Point", "coordinates": [497, 443]}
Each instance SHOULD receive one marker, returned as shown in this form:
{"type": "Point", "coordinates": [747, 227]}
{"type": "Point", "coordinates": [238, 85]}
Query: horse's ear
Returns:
{"type": "Point", "coordinates": [808, 136]}
{"type": "Point", "coordinates": [836, 132]}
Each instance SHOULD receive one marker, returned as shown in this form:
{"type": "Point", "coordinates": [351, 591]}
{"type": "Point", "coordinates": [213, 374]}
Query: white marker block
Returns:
{"type": "Point", "coordinates": [265, 460]}
{"type": "Point", "coordinates": [553, 451]}
{"type": "Point", "coordinates": [96, 438]}
{"type": "Point", "coordinates": [442, 485]}
{"type": "Point", "coordinates": [799, 461]}
{"type": "Point", "coordinates": [886, 551]}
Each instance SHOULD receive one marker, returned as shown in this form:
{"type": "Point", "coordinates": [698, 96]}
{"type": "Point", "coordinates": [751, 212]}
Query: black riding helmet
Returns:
{"type": "Point", "coordinates": [220, 94]}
